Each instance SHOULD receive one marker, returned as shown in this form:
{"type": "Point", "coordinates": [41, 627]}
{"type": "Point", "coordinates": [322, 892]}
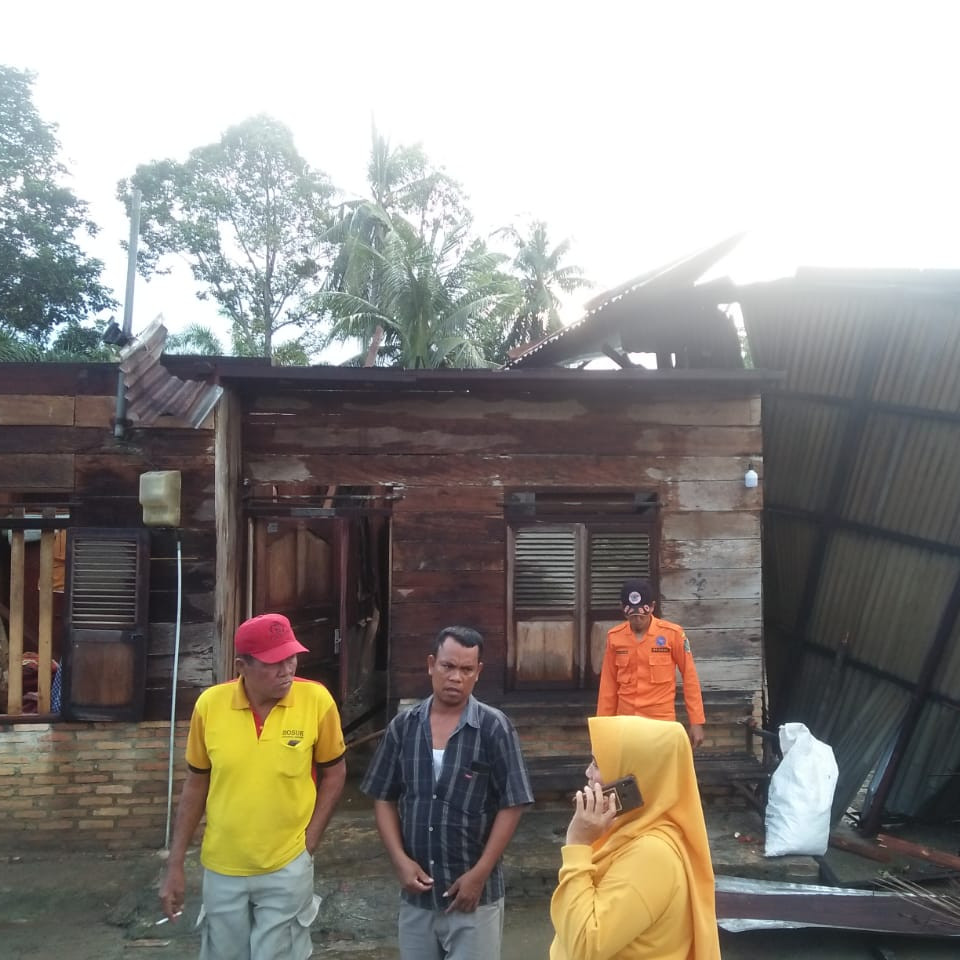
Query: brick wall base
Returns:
{"type": "Point", "coordinates": [104, 785]}
{"type": "Point", "coordinates": [87, 785]}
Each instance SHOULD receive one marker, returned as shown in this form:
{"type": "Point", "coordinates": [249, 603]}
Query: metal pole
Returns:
{"type": "Point", "coordinates": [173, 696]}
{"type": "Point", "coordinates": [118, 424]}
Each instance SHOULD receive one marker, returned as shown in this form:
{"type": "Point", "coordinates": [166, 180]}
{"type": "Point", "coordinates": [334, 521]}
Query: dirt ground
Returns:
{"type": "Point", "coordinates": [89, 907]}
{"type": "Point", "coordinates": [95, 906]}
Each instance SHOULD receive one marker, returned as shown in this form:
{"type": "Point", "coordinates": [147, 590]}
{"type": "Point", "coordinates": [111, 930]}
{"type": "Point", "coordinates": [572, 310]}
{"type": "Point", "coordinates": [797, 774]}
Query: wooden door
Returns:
{"type": "Point", "coordinates": [300, 568]}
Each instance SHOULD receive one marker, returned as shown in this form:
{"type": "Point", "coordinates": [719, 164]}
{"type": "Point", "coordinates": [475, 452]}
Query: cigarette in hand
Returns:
{"type": "Point", "coordinates": [165, 919]}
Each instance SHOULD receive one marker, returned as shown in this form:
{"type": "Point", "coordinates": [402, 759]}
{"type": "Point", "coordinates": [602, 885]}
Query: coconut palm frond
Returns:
{"type": "Point", "coordinates": [945, 906]}
{"type": "Point", "coordinates": [13, 350]}
{"type": "Point", "coordinates": [195, 338]}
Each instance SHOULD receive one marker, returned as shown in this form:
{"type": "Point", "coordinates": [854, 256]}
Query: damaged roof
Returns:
{"type": "Point", "coordinates": [661, 311]}
{"type": "Point", "coordinates": [862, 525]}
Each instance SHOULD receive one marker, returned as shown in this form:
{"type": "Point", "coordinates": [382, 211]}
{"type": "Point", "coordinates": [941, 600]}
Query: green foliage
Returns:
{"type": "Point", "coordinates": [291, 353]}
{"type": "Point", "coordinates": [196, 339]}
{"type": "Point", "coordinates": [409, 281]}
{"type": "Point", "coordinates": [403, 184]}
{"type": "Point", "coordinates": [401, 270]}
{"type": "Point", "coordinates": [434, 306]}
{"type": "Point", "coordinates": [48, 286]}
{"type": "Point", "coordinates": [73, 342]}
{"type": "Point", "coordinates": [248, 214]}
{"type": "Point", "coordinates": [541, 276]}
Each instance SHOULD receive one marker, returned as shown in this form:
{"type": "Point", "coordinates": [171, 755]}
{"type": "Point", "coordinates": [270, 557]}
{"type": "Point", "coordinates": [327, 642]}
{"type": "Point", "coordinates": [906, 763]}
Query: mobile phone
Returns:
{"type": "Point", "coordinates": [624, 793]}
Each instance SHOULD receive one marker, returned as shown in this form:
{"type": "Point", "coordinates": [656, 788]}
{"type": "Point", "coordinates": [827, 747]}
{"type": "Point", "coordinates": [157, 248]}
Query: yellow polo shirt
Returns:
{"type": "Point", "coordinates": [262, 790]}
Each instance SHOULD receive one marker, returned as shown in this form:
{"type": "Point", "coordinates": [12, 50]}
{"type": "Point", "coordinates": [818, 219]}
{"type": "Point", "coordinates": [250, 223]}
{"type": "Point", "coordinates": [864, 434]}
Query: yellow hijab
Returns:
{"type": "Point", "coordinates": [658, 754]}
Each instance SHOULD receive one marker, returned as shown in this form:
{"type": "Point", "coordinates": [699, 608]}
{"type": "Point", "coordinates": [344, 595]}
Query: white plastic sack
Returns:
{"type": "Point", "coordinates": [801, 795]}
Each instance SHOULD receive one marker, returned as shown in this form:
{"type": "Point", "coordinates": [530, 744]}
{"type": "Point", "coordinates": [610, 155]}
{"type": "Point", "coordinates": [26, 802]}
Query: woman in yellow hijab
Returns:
{"type": "Point", "coordinates": [638, 885]}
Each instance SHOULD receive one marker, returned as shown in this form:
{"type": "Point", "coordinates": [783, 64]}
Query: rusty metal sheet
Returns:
{"type": "Point", "coordinates": [762, 904]}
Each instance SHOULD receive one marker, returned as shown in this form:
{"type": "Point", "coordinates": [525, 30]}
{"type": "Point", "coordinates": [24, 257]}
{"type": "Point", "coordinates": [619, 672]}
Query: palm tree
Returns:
{"type": "Point", "coordinates": [15, 350]}
{"type": "Point", "coordinates": [196, 339]}
{"type": "Point", "coordinates": [407, 280]}
{"type": "Point", "coordinates": [435, 303]}
{"type": "Point", "coordinates": [542, 277]}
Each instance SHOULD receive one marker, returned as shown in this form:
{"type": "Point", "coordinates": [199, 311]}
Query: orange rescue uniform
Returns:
{"type": "Point", "coordinates": [639, 674]}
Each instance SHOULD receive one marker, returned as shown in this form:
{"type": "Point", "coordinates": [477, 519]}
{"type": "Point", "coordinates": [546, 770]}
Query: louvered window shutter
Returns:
{"type": "Point", "coordinates": [106, 604]}
{"type": "Point", "coordinates": [545, 568]}
{"type": "Point", "coordinates": [615, 557]}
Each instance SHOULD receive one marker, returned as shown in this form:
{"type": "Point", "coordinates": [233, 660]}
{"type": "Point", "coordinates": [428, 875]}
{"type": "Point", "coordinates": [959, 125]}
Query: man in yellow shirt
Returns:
{"type": "Point", "coordinates": [266, 764]}
{"type": "Point", "coordinates": [640, 664]}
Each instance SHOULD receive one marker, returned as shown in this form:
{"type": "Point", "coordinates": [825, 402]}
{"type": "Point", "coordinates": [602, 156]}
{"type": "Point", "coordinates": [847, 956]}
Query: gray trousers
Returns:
{"type": "Point", "coordinates": [435, 935]}
{"type": "Point", "coordinates": [265, 917]}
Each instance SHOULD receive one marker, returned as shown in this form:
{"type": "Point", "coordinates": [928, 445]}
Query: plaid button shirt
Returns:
{"type": "Point", "coordinates": [446, 821]}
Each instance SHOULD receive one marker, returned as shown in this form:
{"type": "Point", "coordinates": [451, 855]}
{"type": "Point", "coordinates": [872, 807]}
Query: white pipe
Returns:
{"type": "Point", "coordinates": [173, 696]}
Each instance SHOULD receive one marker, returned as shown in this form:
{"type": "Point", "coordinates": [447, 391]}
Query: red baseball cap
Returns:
{"type": "Point", "coordinates": [268, 637]}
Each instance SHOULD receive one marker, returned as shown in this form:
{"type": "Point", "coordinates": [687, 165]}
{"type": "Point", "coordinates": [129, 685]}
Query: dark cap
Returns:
{"type": "Point", "coordinates": [269, 638]}
{"type": "Point", "coordinates": [637, 594]}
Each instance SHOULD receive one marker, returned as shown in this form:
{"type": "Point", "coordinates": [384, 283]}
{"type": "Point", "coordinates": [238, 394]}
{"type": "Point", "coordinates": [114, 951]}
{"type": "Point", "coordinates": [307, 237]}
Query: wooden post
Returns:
{"type": "Point", "coordinates": [17, 557]}
{"type": "Point", "coordinates": [45, 621]}
{"type": "Point", "coordinates": [227, 473]}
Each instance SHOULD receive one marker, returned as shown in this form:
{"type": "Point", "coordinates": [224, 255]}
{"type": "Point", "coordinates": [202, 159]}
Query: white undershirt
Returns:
{"type": "Point", "coordinates": [437, 763]}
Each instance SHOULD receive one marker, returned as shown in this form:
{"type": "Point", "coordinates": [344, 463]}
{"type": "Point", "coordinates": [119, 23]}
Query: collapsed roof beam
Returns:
{"type": "Point", "coordinates": [620, 359]}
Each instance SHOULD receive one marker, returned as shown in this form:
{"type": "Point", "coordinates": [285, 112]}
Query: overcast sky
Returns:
{"type": "Point", "coordinates": [642, 131]}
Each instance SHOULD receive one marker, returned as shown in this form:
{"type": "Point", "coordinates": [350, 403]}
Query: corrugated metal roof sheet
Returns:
{"type": "Point", "coordinates": [854, 712]}
{"type": "Point", "coordinates": [929, 782]}
{"type": "Point", "coordinates": [885, 597]}
{"type": "Point", "coordinates": [862, 496]}
{"type": "Point", "coordinates": [798, 478]}
{"type": "Point", "coordinates": [153, 392]}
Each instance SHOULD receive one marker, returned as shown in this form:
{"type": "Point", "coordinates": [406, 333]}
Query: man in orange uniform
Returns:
{"type": "Point", "coordinates": [639, 674]}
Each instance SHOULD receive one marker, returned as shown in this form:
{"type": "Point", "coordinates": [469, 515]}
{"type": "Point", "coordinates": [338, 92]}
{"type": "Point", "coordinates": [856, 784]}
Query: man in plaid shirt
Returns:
{"type": "Point", "coordinates": [449, 787]}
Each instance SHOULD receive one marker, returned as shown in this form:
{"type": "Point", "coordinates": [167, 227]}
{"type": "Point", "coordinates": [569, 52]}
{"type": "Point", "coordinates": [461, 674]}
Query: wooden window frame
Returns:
{"type": "Point", "coordinates": [587, 513]}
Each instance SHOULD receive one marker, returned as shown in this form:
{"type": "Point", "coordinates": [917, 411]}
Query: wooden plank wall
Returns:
{"type": "Point", "coordinates": [453, 457]}
{"type": "Point", "coordinates": [56, 440]}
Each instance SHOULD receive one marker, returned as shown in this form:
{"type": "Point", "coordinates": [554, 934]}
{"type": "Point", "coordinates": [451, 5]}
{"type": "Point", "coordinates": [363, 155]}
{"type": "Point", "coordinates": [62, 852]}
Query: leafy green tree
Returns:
{"type": "Point", "coordinates": [248, 215]}
{"type": "Point", "coordinates": [542, 275]}
{"type": "Point", "coordinates": [408, 196]}
{"type": "Point", "coordinates": [48, 286]}
{"type": "Point", "coordinates": [196, 339]}
{"type": "Point", "coordinates": [72, 342]}
{"type": "Point", "coordinates": [409, 281]}
{"type": "Point", "coordinates": [291, 353]}
{"type": "Point", "coordinates": [435, 303]}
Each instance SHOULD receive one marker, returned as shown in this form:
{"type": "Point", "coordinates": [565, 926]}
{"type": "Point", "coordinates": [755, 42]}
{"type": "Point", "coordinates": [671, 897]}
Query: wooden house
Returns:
{"type": "Point", "coordinates": [374, 507]}
{"type": "Point", "coordinates": [513, 502]}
